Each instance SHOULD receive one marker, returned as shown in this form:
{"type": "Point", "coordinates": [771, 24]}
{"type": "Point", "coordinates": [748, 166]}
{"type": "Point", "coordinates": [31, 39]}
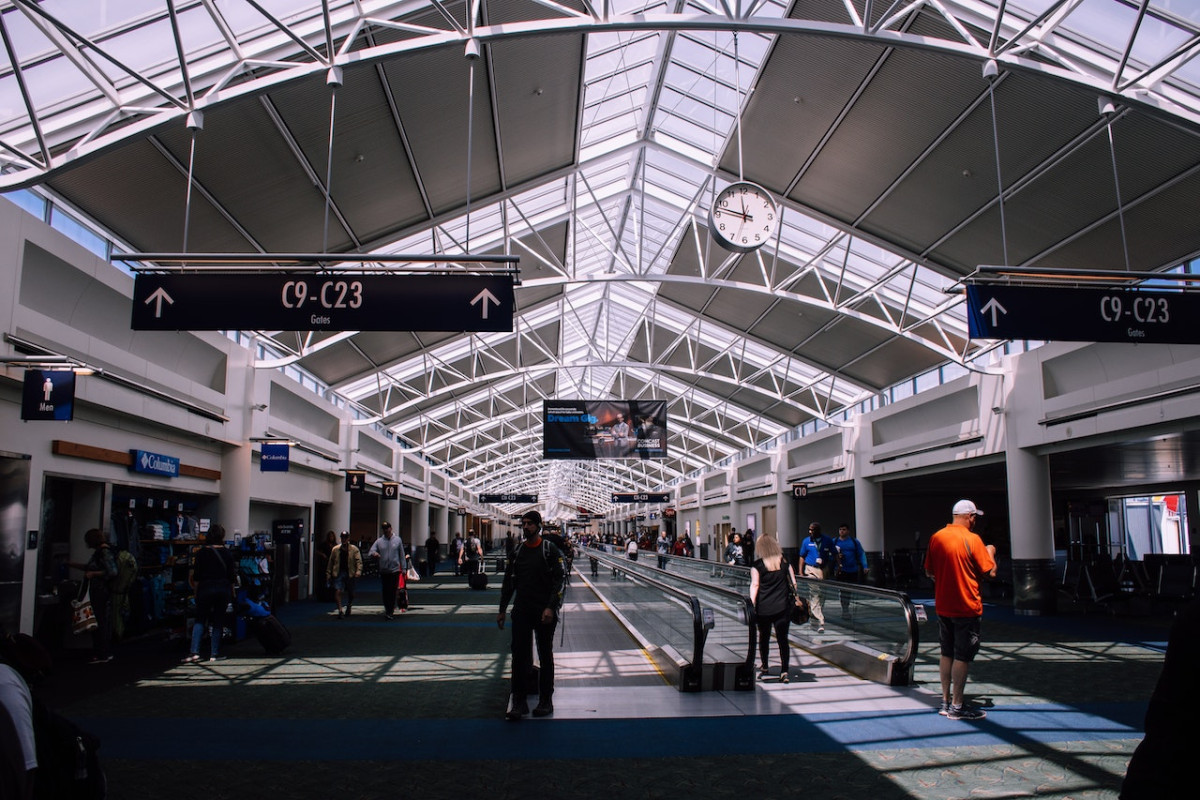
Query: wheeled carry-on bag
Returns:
{"type": "Point", "coordinates": [477, 580]}
{"type": "Point", "coordinates": [271, 633]}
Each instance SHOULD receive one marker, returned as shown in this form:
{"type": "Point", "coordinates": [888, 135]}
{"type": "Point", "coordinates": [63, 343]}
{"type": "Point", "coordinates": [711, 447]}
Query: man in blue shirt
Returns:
{"type": "Point", "coordinates": [817, 554]}
{"type": "Point", "coordinates": [851, 563]}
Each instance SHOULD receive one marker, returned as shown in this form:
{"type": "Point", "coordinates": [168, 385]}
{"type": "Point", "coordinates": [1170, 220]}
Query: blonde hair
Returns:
{"type": "Point", "coordinates": [767, 547]}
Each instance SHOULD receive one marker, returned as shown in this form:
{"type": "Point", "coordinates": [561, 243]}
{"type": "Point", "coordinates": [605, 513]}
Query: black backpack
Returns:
{"type": "Point", "coordinates": [68, 759]}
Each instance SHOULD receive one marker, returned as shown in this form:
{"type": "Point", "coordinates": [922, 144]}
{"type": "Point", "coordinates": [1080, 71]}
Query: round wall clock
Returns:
{"type": "Point", "coordinates": [743, 217]}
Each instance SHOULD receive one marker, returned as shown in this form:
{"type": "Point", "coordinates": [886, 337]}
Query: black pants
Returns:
{"type": "Point", "coordinates": [527, 626]}
{"type": "Point", "coordinates": [388, 582]}
{"type": "Point", "coordinates": [848, 577]}
{"type": "Point", "coordinates": [780, 622]}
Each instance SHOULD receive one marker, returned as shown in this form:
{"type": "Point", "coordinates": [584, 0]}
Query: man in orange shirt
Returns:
{"type": "Point", "coordinates": [955, 559]}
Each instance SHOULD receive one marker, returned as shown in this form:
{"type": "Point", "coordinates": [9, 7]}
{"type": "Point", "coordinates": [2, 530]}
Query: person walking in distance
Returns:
{"type": "Point", "coordinates": [955, 560]}
{"type": "Point", "coordinates": [345, 567]}
{"type": "Point", "coordinates": [433, 549]}
{"type": "Point", "coordinates": [851, 563]}
{"type": "Point", "coordinates": [537, 577]}
{"type": "Point", "coordinates": [390, 552]}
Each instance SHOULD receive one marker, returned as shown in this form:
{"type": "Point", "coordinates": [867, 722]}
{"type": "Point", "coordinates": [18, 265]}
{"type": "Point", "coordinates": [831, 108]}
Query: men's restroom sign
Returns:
{"type": "Point", "coordinates": [48, 394]}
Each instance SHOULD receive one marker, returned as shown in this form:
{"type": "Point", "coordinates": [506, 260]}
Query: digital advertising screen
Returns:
{"type": "Point", "coordinates": [601, 429]}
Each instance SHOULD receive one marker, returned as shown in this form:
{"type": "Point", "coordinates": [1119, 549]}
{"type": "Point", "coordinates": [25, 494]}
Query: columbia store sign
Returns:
{"type": "Point", "coordinates": [154, 463]}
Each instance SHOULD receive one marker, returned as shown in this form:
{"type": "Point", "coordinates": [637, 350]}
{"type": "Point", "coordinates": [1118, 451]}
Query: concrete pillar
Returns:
{"type": "Point", "coordinates": [420, 524]}
{"type": "Point", "coordinates": [442, 524]}
{"type": "Point", "coordinates": [339, 511]}
{"type": "Point", "coordinates": [868, 524]}
{"type": "Point", "coordinates": [1032, 528]}
{"type": "Point", "coordinates": [233, 506]}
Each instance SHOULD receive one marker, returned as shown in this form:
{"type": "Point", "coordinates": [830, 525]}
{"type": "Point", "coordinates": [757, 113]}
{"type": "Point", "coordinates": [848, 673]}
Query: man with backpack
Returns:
{"type": "Point", "coordinates": [851, 563]}
{"type": "Point", "coordinates": [537, 576]}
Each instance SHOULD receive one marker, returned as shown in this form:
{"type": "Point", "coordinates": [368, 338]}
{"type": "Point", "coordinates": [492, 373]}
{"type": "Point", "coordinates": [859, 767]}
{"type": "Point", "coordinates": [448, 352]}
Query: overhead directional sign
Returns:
{"type": "Point", "coordinates": [641, 497]}
{"type": "Point", "coordinates": [322, 302]}
{"type": "Point", "coordinates": [1082, 314]}
{"type": "Point", "coordinates": [508, 498]}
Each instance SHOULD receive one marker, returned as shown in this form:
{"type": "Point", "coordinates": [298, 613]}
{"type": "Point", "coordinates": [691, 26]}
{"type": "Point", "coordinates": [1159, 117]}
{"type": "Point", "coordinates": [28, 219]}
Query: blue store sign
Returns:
{"type": "Point", "coordinates": [154, 463]}
{"type": "Point", "coordinates": [276, 457]}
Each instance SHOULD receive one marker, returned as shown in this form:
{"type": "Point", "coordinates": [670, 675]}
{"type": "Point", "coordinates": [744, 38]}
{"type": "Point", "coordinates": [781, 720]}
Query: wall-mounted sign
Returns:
{"type": "Point", "coordinates": [799, 490]}
{"type": "Point", "coordinates": [356, 480]}
{"type": "Point", "coordinates": [48, 395]}
{"type": "Point", "coordinates": [276, 457]}
{"type": "Point", "coordinates": [391, 490]}
{"type": "Point", "coordinates": [154, 464]}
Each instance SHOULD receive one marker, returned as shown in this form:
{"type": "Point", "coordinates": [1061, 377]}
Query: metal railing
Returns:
{"type": "Point", "coordinates": [868, 631]}
{"type": "Point", "coordinates": [712, 649]}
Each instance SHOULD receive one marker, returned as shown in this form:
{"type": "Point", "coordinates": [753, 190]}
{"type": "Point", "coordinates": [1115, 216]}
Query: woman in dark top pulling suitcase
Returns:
{"type": "Point", "coordinates": [212, 579]}
{"type": "Point", "coordinates": [771, 582]}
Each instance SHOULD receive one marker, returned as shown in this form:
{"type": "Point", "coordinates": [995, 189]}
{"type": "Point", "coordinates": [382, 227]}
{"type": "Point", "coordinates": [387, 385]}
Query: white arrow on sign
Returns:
{"type": "Point", "coordinates": [159, 295]}
{"type": "Point", "coordinates": [995, 308]}
{"type": "Point", "coordinates": [485, 296]}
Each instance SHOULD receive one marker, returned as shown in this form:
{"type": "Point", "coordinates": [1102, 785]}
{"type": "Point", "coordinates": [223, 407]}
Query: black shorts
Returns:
{"type": "Point", "coordinates": [959, 637]}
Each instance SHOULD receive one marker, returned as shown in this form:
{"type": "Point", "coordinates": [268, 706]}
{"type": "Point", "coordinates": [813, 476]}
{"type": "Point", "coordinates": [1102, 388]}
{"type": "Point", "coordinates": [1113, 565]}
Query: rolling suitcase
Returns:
{"type": "Point", "coordinates": [271, 634]}
{"type": "Point", "coordinates": [477, 580]}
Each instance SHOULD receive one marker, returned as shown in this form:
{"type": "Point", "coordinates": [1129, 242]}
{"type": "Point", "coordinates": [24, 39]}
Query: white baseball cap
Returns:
{"type": "Point", "coordinates": [966, 507]}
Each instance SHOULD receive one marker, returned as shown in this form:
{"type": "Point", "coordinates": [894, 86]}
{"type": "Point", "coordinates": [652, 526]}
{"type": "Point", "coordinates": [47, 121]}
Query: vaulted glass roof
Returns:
{"type": "Point", "coordinates": [589, 139]}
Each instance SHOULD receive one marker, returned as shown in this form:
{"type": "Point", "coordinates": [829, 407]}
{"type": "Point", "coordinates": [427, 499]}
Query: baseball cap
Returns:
{"type": "Point", "coordinates": [966, 507]}
{"type": "Point", "coordinates": [345, 534]}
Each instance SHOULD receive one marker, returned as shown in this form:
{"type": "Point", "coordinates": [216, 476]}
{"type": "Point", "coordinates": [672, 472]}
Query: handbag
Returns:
{"type": "Point", "coordinates": [800, 611]}
{"type": "Point", "coordinates": [83, 616]}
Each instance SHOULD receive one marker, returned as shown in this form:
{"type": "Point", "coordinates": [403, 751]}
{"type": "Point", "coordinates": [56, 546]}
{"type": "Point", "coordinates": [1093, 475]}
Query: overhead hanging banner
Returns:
{"type": "Point", "coordinates": [603, 429]}
{"type": "Point", "coordinates": [1082, 314]}
{"type": "Point", "coordinates": [322, 302]}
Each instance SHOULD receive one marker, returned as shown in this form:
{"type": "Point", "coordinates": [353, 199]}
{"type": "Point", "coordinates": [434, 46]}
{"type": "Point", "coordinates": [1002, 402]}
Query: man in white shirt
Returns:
{"type": "Point", "coordinates": [18, 755]}
{"type": "Point", "coordinates": [390, 551]}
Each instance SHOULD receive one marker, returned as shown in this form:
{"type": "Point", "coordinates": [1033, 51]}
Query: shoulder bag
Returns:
{"type": "Point", "coordinates": [800, 610]}
{"type": "Point", "coordinates": [83, 616]}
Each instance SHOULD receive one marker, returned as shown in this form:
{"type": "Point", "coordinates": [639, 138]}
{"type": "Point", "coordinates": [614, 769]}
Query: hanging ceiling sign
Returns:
{"type": "Point", "coordinates": [1068, 314]}
{"type": "Point", "coordinates": [641, 497]}
{"type": "Point", "coordinates": [508, 498]}
{"type": "Point", "coordinates": [322, 301]}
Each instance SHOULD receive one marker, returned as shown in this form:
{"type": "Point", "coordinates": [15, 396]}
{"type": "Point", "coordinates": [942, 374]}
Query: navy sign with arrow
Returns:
{"type": "Point", "coordinates": [1082, 314]}
{"type": "Point", "coordinates": [508, 498]}
{"type": "Point", "coordinates": [322, 301]}
{"type": "Point", "coordinates": [641, 497]}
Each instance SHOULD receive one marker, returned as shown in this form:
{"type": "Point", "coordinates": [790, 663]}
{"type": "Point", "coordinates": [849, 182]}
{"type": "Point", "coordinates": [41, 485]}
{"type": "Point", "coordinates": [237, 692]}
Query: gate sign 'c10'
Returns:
{"type": "Point", "coordinates": [1082, 314]}
{"type": "Point", "coordinates": [322, 301]}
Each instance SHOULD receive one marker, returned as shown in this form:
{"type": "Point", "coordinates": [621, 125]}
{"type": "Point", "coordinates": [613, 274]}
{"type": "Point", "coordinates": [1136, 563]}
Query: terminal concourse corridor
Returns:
{"type": "Point", "coordinates": [366, 708]}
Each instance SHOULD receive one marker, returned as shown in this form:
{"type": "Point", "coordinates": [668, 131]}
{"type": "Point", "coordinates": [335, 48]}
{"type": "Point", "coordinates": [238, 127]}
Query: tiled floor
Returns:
{"type": "Point", "coordinates": [364, 708]}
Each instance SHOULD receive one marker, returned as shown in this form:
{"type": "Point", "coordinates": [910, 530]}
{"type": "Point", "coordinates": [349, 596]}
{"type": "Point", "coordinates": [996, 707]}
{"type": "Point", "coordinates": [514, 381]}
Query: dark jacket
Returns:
{"type": "Point", "coordinates": [537, 576]}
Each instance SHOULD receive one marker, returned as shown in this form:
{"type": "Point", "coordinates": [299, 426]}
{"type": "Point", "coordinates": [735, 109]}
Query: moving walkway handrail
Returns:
{"type": "Point", "coordinates": [905, 654]}
{"type": "Point", "coordinates": [744, 609]}
{"type": "Point", "coordinates": [699, 631]}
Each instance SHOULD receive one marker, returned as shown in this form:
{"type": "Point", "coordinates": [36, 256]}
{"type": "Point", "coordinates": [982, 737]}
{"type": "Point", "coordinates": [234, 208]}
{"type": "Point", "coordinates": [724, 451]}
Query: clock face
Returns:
{"type": "Point", "coordinates": [743, 217]}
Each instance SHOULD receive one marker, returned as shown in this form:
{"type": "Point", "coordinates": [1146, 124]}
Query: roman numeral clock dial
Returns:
{"type": "Point", "coordinates": [743, 217]}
